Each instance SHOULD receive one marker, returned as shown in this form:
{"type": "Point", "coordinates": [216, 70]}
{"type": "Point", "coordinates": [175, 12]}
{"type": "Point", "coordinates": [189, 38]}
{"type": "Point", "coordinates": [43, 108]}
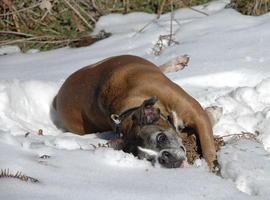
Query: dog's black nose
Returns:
{"type": "Point", "coordinates": [165, 158]}
{"type": "Point", "coordinates": [168, 160]}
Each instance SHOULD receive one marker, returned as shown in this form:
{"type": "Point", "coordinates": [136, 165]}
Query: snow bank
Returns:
{"type": "Point", "coordinates": [106, 174]}
{"type": "Point", "coordinates": [25, 106]}
{"type": "Point", "coordinates": [247, 164]}
{"type": "Point", "coordinates": [246, 109]}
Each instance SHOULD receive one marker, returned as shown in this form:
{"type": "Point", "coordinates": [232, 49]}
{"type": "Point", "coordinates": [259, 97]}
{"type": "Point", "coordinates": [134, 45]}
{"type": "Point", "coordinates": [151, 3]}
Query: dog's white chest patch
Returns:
{"type": "Point", "coordinates": [177, 122]}
{"type": "Point", "coordinates": [148, 151]}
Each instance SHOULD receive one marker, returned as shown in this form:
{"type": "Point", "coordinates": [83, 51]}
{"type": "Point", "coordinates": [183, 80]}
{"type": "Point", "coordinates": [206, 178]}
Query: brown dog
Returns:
{"type": "Point", "coordinates": [132, 96]}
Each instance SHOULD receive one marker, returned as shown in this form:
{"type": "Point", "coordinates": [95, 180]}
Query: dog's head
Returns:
{"type": "Point", "coordinates": [151, 135]}
{"type": "Point", "coordinates": [161, 145]}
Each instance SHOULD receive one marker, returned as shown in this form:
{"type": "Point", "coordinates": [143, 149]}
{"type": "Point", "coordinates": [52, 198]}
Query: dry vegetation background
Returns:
{"type": "Point", "coordinates": [47, 24]}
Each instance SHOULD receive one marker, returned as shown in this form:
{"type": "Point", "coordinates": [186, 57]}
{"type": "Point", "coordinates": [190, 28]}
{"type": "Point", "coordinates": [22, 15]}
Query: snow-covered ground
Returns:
{"type": "Point", "coordinates": [229, 67]}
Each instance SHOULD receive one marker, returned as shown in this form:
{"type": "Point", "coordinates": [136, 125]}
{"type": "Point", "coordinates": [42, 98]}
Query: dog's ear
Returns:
{"type": "Point", "coordinates": [150, 102]}
{"type": "Point", "coordinates": [150, 115]}
{"type": "Point", "coordinates": [147, 113]}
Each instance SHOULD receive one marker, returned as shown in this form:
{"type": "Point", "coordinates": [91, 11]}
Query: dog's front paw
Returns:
{"type": "Point", "coordinates": [216, 168]}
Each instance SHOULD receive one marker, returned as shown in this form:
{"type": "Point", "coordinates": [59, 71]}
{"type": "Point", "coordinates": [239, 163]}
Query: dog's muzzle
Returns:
{"type": "Point", "coordinates": [172, 158]}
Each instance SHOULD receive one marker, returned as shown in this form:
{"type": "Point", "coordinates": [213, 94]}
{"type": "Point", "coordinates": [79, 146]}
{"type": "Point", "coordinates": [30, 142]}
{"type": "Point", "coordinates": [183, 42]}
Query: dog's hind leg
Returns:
{"type": "Point", "coordinates": [175, 64]}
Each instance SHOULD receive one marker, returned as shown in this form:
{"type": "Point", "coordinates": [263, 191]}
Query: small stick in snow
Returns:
{"type": "Point", "coordinates": [245, 135]}
{"type": "Point", "coordinates": [26, 134]}
{"type": "Point", "coordinates": [171, 25]}
{"type": "Point", "coordinates": [5, 173]}
{"type": "Point", "coordinates": [44, 156]}
{"type": "Point", "coordinates": [40, 132]}
{"type": "Point", "coordinates": [198, 11]}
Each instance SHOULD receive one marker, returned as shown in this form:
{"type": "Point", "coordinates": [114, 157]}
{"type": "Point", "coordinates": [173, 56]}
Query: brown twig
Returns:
{"type": "Point", "coordinates": [19, 40]}
{"type": "Point", "coordinates": [144, 27]}
{"type": "Point", "coordinates": [5, 173]}
{"type": "Point", "coordinates": [83, 11]}
{"type": "Point", "coordinates": [79, 14]}
{"type": "Point", "coordinates": [239, 134]}
{"type": "Point", "coordinates": [20, 10]}
{"type": "Point", "coordinates": [38, 39]}
{"type": "Point", "coordinates": [246, 135]}
{"type": "Point", "coordinates": [15, 18]}
{"type": "Point", "coordinates": [15, 33]}
{"type": "Point", "coordinates": [199, 11]}
{"type": "Point", "coordinates": [171, 24]}
{"type": "Point", "coordinates": [126, 5]}
{"type": "Point", "coordinates": [160, 10]}
{"type": "Point", "coordinates": [97, 8]}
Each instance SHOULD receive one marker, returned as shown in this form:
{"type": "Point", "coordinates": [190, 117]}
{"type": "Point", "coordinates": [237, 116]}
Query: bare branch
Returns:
{"type": "Point", "coordinates": [78, 13]}
{"type": "Point", "coordinates": [15, 33]}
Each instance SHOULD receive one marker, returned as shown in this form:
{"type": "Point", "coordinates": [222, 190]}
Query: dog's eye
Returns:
{"type": "Point", "coordinates": [161, 138]}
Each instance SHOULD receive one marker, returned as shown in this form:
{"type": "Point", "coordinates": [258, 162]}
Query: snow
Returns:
{"type": "Point", "coordinates": [229, 68]}
{"type": "Point", "coordinates": [246, 109]}
{"type": "Point", "coordinates": [250, 177]}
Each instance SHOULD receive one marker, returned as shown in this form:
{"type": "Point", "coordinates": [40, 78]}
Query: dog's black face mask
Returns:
{"type": "Point", "coordinates": [153, 141]}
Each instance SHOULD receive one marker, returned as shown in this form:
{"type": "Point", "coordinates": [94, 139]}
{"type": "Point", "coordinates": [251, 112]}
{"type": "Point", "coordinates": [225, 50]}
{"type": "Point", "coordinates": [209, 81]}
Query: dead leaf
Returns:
{"type": "Point", "coordinates": [46, 5]}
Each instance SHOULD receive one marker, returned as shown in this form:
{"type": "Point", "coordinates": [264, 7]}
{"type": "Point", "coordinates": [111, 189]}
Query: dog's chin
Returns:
{"type": "Point", "coordinates": [177, 164]}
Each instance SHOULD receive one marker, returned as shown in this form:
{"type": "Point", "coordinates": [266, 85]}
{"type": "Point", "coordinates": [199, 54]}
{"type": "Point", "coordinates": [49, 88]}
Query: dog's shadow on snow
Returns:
{"type": "Point", "coordinates": [55, 117]}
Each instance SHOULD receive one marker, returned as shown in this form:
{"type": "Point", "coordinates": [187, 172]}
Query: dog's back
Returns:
{"type": "Point", "coordinates": [84, 102]}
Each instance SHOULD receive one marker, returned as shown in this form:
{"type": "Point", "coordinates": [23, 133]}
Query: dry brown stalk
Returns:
{"type": "Point", "coordinates": [10, 6]}
{"type": "Point", "coordinates": [144, 27]}
{"type": "Point", "coordinates": [241, 135]}
{"type": "Point", "coordinates": [260, 6]}
{"type": "Point", "coordinates": [171, 25]}
{"type": "Point", "coordinates": [38, 39]}
{"type": "Point", "coordinates": [5, 173]}
{"type": "Point", "coordinates": [83, 11]}
{"type": "Point", "coordinates": [160, 10]}
{"type": "Point", "coordinates": [79, 14]}
{"type": "Point", "coordinates": [126, 5]}
{"type": "Point", "coordinates": [97, 7]}
{"type": "Point", "coordinates": [15, 33]}
{"type": "Point", "coordinates": [186, 4]}
{"type": "Point", "coordinates": [20, 10]}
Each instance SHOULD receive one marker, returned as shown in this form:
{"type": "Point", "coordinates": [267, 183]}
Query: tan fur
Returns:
{"type": "Point", "coordinates": [90, 95]}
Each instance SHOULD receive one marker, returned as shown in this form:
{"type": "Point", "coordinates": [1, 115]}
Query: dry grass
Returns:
{"type": "Point", "coordinates": [251, 7]}
{"type": "Point", "coordinates": [47, 24]}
